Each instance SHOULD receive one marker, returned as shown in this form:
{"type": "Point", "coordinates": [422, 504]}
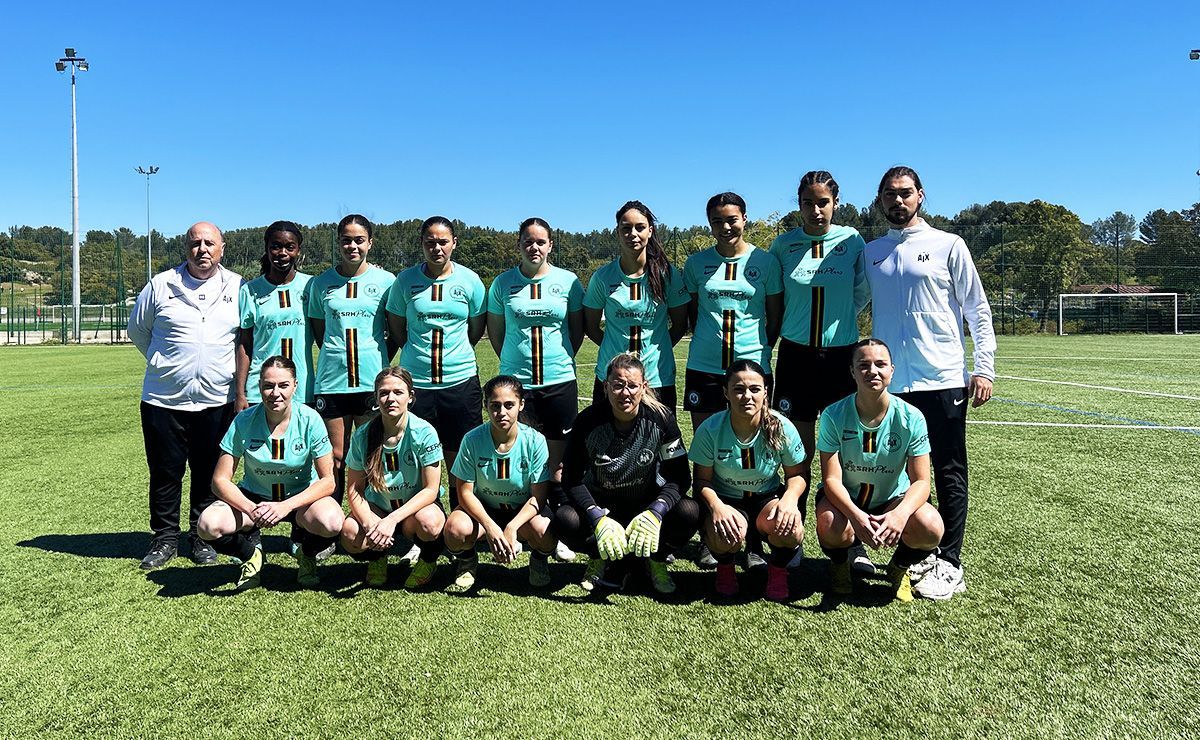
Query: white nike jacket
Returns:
{"type": "Point", "coordinates": [923, 283]}
{"type": "Point", "coordinates": [189, 350]}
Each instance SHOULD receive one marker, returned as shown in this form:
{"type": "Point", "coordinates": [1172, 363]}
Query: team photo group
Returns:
{"type": "Point", "coordinates": [333, 402]}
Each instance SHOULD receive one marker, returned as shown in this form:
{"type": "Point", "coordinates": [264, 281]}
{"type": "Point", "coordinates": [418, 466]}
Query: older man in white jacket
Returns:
{"type": "Point", "coordinates": [185, 322]}
{"type": "Point", "coordinates": [923, 284]}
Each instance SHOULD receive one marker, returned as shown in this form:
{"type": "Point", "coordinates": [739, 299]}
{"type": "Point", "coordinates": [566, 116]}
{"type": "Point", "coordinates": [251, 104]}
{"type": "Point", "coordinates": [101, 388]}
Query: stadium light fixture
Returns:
{"type": "Point", "coordinates": [147, 172]}
{"type": "Point", "coordinates": [76, 64]}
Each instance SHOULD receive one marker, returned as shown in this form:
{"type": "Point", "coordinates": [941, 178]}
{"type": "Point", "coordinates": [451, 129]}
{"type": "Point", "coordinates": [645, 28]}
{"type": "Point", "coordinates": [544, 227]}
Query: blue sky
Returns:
{"type": "Point", "coordinates": [491, 112]}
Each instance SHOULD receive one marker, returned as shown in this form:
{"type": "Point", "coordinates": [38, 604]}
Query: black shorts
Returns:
{"type": "Point", "coordinates": [503, 516]}
{"type": "Point", "coordinates": [811, 378]}
{"type": "Point", "coordinates": [453, 411]}
{"type": "Point", "coordinates": [666, 394]}
{"type": "Point", "coordinates": [259, 499]}
{"type": "Point", "coordinates": [552, 409]}
{"type": "Point", "coordinates": [337, 405]}
{"type": "Point", "coordinates": [873, 511]}
{"type": "Point", "coordinates": [705, 392]}
{"type": "Point", "coordinates": [750, 506]}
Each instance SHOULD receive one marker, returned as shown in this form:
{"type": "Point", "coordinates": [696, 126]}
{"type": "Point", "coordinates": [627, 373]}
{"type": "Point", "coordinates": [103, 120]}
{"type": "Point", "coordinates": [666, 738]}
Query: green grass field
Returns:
{"type": "Point", "coordinates": [1081, 618]}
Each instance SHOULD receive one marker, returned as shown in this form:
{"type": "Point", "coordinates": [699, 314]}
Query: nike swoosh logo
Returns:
{"type": "Point", "coordinates": [960, 402]}
{"type": "Point", "coordinates": [876, 262]}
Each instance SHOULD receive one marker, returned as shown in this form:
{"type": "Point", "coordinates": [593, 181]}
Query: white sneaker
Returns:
{"type": "Point", "coordinates": [412, 556]}
{"type": "Point", "coordinates": [860, 561]}
{"type": "Point", "coordinates": [563, 553]}
{"type": "Point", "coordinates": [941, 583]}
{"type": "Point", "coordinates": [917, 571]}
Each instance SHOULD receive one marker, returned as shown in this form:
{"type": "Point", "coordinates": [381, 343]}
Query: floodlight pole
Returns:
{"type": "Point", "coordinates": [77, 64]}
{"type": "Point", "coordinates": [149, 234]}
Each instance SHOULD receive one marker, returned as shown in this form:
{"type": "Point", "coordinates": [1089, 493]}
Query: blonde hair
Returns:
{"type": "Point", "coordinates": [630, 361]}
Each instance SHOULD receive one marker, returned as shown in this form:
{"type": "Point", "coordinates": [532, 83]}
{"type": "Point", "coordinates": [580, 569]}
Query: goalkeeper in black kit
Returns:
{"type": "Point", "coordinates": [625, 473]}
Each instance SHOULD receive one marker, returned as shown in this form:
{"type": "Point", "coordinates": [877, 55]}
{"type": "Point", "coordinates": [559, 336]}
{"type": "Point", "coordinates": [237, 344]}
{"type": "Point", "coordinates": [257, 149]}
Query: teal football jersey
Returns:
{"type": "Point", "coordinates": [419, 447]}
{"type": "Point", "coordinates": [634, 321]}
{"type": "Point", "coordinates": [874, 460]}
{"type": "Point", "coordinates": [437, 351]}
{"type": "Point", "coordinates": [502, 481]}
{"type": "Point", "coordinates": [354, 348]}
{"type": "Point", "coordinates": [824, 285]}
{"type": "Point", "coordinates": [275, 468]}
{"type": "Point", "coordinates": [731, 308]}
{"type": "Point", "coordinates": [743, 469]}
{"type": "Point", "coordinates": [537, 344]}
{"type": "Point", "coordinates": [277, 316]}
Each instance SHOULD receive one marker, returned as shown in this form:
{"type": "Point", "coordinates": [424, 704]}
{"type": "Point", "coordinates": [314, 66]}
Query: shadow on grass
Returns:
{"type": "Point", "coordinates": [121, 545]}
{"type": "Point", "coordinates": [870, 592]}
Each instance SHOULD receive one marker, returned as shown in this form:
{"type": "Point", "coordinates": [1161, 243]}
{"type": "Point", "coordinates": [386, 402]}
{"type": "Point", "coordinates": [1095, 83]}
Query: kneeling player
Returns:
{"type": "Point", "coordinates": [875, 465]}
{"type": "Point", "coordinates": [502, 469]}
{"type": "Point", "coordinates": [737, 454]}
{"type": "Point", "coordinates": [393, 480]}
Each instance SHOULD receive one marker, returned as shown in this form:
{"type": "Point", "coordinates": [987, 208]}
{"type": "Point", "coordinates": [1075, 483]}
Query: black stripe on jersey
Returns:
{"type": "Point", "coordinates": [435, 292]}
{"type": "Point", "coordinates": [635, 291]}
{"type": "Point", "coordinates": [276, 449]}
{"type": "Point", "coordinates": [728, 321]}
{"type": "Point", "coordinates": [818, 249]}
{"type": "Point", "coordinates": [285, 299]}
{"type": "Point", "coordinates": [503, 468]}
{"type": "Point", "coordinates": [864, 494]}
{"type": "Point", "coordinates": [748, 461]}
{"type": "Point", "coordinates": [816, 318]}
{"type": "Point", "coordinates": [277, 492]}
{"type": "Point", "coordinates": [352, 290]}
{"type": "Point", "coordinates": [285, 347]}
{"type": "Point", "coordinates": [635, 339]}
{"type": "Point", "coordinates": [535, 342]}
{"type": "Point", "coordinates": [352, 379]}
{"type": "Point", "coordinates": [869, 442]}
{"type": "Point", "coordinates": [436, 354]}
{"type": "Point", "coordinates": [731, 271]}
{"type": "Point", "coordinates": [391, 461]}
{"type": "Point", "coordinates": [535, 291]}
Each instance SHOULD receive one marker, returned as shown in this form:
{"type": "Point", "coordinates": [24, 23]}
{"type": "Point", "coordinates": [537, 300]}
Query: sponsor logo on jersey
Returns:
{"type": "Point", "coordinates": [785, 405]}
{"type": "Point", "coordinates": [840, 249]}
{"type": "Point", "coordinates": [892, 441]}
{"type": "Point", "coordinates": [752, 273]}
{"type": "Point", "coordinates": [255, 443]}
{"type": "Point", "coordinates": [645, 456]}
{"type": "Point", "coordinates": [458, 292]}
{"type": "Point", "coordinates": [878, 262]}
{"type": "Point", "coordinates": [371, 289]}
{"type": "Point", "coordinates": [299, 446]}
{"type": "Point", "coordinates": [672, 449]}
{"type": "Point", "coordinates": [923, 257]}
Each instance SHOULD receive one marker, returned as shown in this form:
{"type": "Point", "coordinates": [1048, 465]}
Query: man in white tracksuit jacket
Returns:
{"type": "Point", "coordinates": [923, 284]}
{"type": "Point", "coordinates": [185, 322]}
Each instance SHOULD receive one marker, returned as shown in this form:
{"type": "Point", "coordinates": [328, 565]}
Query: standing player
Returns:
{"type": "Point", "coordinates": [875, 475]}
{"type": "Point", "coordinates": [436, 313]}
{"type": "Point", "coordinates": [273, 321]}
{"type": "Point", "coordinates": [535, 325]}
{"type": "Point", "coordinates": [287, 476]}
{"type": "Point", "coordinates": [345, 307]}
{"type": "Point", "coordinates": [736, 307]}
{"type": "Point", "coordinates": [502, 475]}
{"type": "Point", "coordinates": [737, 454]}
{"type": "Point", "coordinates": [393, 483]}
{"type": "Point", "coordinates": [923, 284]}
{"type": "Point", "coordinates": [824, 289]}
{"type": "Point", "coordinates": [625, 475]}
{"type": "Point", "coordinates": [635, 295]}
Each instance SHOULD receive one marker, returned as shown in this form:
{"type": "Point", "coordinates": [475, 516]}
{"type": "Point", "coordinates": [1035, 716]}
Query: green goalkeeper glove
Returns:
{"type": "Point", "coordinates": [642, 534]}
{"type": "Point", "coordinates": [610, 539]}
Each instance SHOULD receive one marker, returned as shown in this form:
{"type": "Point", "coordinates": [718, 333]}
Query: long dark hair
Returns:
{"type": "Point", "coordinates": [658, 267]}
{"type": "Point", "coordinates": [288, 226]}
{"type": "Point", "coordinates": [768, 424]}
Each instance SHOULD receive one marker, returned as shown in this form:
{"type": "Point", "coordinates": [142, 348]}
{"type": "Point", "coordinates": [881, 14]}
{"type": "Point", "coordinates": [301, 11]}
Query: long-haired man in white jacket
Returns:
{"type": "Point", "coordinates": [923, 285]}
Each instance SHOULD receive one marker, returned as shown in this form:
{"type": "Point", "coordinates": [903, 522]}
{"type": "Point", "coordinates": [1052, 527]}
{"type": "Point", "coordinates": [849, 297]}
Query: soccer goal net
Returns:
{"type": "Point", "coordinates": [1110, 313]}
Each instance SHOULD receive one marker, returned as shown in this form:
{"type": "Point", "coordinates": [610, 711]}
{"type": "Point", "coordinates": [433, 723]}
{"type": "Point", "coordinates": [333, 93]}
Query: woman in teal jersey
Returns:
{"type": "Point", "coordinates": [736, 307]}
{"type": "Point", "coordinates": [436, 311]}
{"type": "Point", "coordinates": [345, 307]}
{"type": "Point", "coordinates": [287, 476]}
{"type": "Point", "coordinates": [636, 295]}
{"type": "Point", "coordinates": [393, 483]}
{"type": "Point", "coordinates": [502, 471]}
{"type": "Point", "coordinates": [273, 317]}
{"type": "Point", "coordinates": [736, 455]}
{"type": "Point", "coordinates": [535, 325]}
{"type": "Point", "coordinates": [824, 289]}
{"type": "Point", "coordinates": [875, 468]}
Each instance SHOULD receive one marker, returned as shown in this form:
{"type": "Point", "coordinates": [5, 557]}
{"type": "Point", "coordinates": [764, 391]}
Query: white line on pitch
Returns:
{"type": "Point", "coordinates": [1083, 426]}
{"type": "Point", "coordinates": [1102, 388]}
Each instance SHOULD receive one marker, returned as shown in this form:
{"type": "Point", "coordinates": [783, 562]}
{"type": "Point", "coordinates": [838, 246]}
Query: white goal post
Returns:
{"type": "Point", "coordinates": [1102, 304]}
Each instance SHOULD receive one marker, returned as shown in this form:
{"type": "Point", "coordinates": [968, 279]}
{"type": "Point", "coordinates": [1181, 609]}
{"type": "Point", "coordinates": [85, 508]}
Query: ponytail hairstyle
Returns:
{"type": "Point", "coordinates": [817, 177]}
{"type": "Point", "coordinates": [898, 171]}
{"type": "Point", "coordinates": [510, 382]}
{"type": "Point", "coordinates": [375, 477]}
{"type": "Point", "coordinates": [437, 221]}
{"type": "Point", "coordinates": [630, 361]}
{"type": "Point", "coordinates": [658, 267]}
{"type": "Point", "coordinates": [768, 424]}
{"type": "Point", "coordinates": [534, 221]}
{"type": "Point", "coordinates": [868, 342]}
{"type": "Point", "coordinates": [288, 226]}
{"type": "Point", "coordinates": [725, 199]}
{"type": "Point", "coordinates": [278, 361]}
{"type": "Point", "coordinates": [355, 218]}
